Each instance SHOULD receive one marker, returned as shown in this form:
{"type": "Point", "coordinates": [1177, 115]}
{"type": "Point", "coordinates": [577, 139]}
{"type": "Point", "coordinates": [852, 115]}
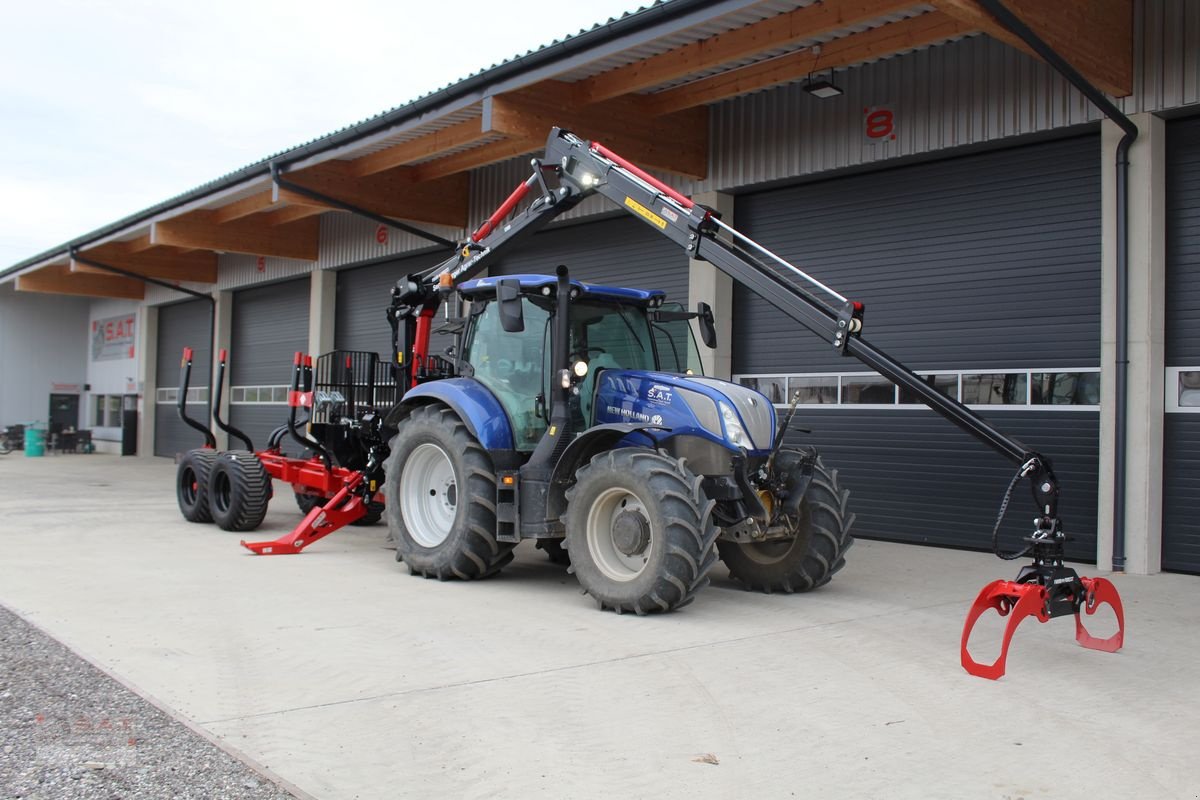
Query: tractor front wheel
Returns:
{"type": "Point", "coordinates": [810, 557]}
{"type": "Point", "coordinates": [440, 493]}
{"type": "Point", "coordinates": [639, 531]}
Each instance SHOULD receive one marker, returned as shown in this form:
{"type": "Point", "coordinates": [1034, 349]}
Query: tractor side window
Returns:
{"type": "Point", "coordinates": [611, 336]}
{"type": "Point", "coordinates": [510, 366]}
{"type": "Point", "coordinates": [676, 345]}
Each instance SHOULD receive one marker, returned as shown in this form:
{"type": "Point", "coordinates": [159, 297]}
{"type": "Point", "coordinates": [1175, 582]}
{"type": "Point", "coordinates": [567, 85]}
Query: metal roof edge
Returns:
{"type": "Point", "coordinates": [628, 25]}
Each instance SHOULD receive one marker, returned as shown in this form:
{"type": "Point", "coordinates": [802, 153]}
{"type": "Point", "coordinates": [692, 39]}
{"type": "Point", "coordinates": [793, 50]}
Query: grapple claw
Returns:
{"type": "Point", "coordinates": [1097, 592]}
{"type": "Point", "coordinates": [1014, 600]}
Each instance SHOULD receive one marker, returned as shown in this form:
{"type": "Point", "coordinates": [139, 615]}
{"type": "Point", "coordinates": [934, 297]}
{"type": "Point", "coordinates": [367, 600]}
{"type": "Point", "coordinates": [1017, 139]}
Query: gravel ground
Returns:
{"type": "Point", "coordinates": [67, 730]}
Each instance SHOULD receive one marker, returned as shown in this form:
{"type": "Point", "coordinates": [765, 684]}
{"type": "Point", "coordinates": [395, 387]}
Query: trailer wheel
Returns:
{"type": "Point", "coordinates": [307, 502]}
{"type": "Point", "coordinates": [639, 531]}
{"type": "Point", "coordinates": [239, 489]}
{"type": "Point", "coordinates": [440, 495]}
{"type": "Point", "coordinates": [373, 515]}
{"type": "Point", "coordinates": [555, 551]}
{"type": "Point", "coordinates": [191, 484]}
{"type": "Point", "coordinates": [810, 559]}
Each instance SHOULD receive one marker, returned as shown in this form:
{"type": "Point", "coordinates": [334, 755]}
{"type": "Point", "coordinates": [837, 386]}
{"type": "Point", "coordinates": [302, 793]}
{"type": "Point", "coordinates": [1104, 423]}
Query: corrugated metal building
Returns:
{"type": "Point", "coordinates": [956, 184]}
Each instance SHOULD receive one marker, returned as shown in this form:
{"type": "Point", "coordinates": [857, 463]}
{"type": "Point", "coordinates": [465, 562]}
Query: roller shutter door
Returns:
{"type": "Point", "coordinates": [181, 325]}
{"type": "Point", "coordinates": [1181, 428]}
{"type": "Point", "coordinates": [270, 324]}
{"type": "Point", "coordinates": [363, 296]}
{"type": "Point", "coordinates": [615, 252]}
{"type": "Point", "coordinates": [984, 262]}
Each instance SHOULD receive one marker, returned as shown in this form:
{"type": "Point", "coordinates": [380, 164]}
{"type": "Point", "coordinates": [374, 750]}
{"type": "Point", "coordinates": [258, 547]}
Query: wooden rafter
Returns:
{"type": "Point", "coordinates": [745, 42]}
{"type": "Point", "coordinates": [675, 143]}
{"type": "Point", "coordinates": [58, 279]}
{"type": "Point", "coordinates": [491, 153]}
{"type": "Point", "coordinates": [244, 207]}
{"type": "Point", "coordinates": [398, 192]}
{"type": "Point", "coordinates": [1094, 36]}
{"type": "Point", "coordinates": [926, 29]}
{"type": "Point", "coordinates": [165, 263]}
{"type": "Point", "coordinates": [199, 230]}
{"type": "Point", "coordinates": [423, 147]}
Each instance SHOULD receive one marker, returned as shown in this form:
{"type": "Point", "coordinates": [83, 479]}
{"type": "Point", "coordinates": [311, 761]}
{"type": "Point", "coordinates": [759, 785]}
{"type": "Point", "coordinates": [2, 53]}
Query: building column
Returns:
{"type": "Point", "coordinates": [147, 351]}
{"type": "Point", "coordinates": [222, 340]}
{"type": "Point", "coordinates": [708, 284]}
{"type": "Point", "coordinates": [322, 310]}
{"type": "Point", "coordinates": [1147, 277]}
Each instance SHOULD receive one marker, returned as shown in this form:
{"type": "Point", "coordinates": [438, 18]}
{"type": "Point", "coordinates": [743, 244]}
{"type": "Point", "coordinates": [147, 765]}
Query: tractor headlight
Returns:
{"type": "Point", "coordinates": [735, 434]}
{"type": "Point", "coordinates": [580, 368]}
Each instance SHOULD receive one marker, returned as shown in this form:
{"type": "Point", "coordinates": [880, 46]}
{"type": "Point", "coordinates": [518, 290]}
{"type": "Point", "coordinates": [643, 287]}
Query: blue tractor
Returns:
{"type": "Point", "coordinates": [576, 415]}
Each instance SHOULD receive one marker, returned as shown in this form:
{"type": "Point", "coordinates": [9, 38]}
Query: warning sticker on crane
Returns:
{"type": "Point", "coordinates": [645, 213]}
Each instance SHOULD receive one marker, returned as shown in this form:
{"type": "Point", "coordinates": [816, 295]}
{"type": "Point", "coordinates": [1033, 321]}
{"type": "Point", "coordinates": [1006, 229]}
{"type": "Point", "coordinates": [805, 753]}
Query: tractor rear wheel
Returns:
{"type": "Point", "coordinates": [191, 484]}
{"type": "Point", "coordinates": [555, 551]}
{"type": "Point", "coordinates": [440, 495]}
{"type": "Point", "coordinates": [811, 557]}
{"type": "Point", "coordinates": [640, 531]}
{"type": "Point", "coordinates": [239, 489]}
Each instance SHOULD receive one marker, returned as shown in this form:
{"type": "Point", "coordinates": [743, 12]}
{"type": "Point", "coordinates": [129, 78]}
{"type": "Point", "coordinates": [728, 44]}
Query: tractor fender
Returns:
{"type": "Point", "coordinates": [580, 451]}
{"type": "Point", "coordinates": [474, 404]}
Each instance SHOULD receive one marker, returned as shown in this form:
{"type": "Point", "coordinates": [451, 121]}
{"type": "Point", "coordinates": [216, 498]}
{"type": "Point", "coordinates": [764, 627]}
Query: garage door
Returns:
{"type": "Point", "coordinates": [363, 296]}
{"type": "Point", "coordinates": [270, 324]}
{"type": "Point", "coordinates": [617, 252]}
{"type": "Point", "coordinates": [982, 272]}
{"type": "Point", "coordinates": [179, 326]}
{"type": "Point", "coordinates": [1181, 429]}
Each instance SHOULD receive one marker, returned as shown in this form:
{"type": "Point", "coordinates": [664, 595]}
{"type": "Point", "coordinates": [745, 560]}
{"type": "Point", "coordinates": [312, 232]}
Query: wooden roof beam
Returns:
{"type": "Point", "coordinates": [490, 153]}
{"type": "Point", "coordinates": [926, 29]}
{"type": "Point", "coordinates": [423, 147]}
{"type": "Point", "coordinates": [164, 263]}
{"type": "Point", "coordinates": [1094, 36]}
{"type": "Point", "coordinates": [58, 279]}
{"type": "Point", "coordinates": [199, 230]}
{"type": "Point", "coordinates": [676, 143]}
{"type": "Point", "coordinates": [745, 42]}
{"type": "Point", "coordinates": [399, 193]}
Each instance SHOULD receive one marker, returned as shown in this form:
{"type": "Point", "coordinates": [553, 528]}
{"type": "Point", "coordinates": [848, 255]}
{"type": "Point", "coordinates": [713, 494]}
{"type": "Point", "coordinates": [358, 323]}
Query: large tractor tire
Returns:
{"type": "Point", "coordinates": [307, 502]}
{"type": "Point", "coordinates": [191, 484]}
{"type": "Point", "coordinates": [440, 495]}
{"type": "Point", "coordinates": [640, 531]}
{"type": "Point", "coordinates": [239, 490]}
{"type": "Point", "coordinates": [812, 556]}
{"type": "Point", "coordinates": [555, 551]}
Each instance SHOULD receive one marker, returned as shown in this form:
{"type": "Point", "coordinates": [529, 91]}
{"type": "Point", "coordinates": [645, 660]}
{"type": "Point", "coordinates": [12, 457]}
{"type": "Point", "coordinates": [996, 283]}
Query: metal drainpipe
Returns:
{"type": "Point", "coordinates": [1009, 20]}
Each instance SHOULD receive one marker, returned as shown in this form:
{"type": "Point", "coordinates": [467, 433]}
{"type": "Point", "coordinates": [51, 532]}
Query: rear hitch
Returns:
{"type": "Point", "coordinates": [1044, 589]}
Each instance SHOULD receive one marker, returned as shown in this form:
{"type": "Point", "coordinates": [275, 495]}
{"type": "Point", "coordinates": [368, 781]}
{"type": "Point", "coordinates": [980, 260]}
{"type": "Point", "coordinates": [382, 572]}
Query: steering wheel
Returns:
{"type": "Point", "coordinates": [503, 367]}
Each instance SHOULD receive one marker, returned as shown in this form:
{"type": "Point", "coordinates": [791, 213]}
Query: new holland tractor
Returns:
{"type": "Point", "coordinates": [575, 415]}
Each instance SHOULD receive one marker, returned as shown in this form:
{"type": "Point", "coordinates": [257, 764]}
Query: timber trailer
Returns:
{"type": "Point", "coordinates": [566, 413]}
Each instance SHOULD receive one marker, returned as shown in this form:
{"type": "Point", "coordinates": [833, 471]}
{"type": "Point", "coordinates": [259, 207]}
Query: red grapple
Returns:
{"type": "Point", "coordinates": [1043, 592]}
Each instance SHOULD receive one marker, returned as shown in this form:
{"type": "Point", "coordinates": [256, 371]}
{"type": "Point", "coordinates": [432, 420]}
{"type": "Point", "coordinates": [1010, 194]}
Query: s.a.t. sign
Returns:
{"type": "Point", "coordinates": [113, 337]}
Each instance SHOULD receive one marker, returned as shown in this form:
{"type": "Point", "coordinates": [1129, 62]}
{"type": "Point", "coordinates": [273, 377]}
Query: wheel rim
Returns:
{"type": "Point", "coordinates": [187, 486]}
{"type": "Point", "coordinates": [429, 495]}
{"type": "Point", "coordinates": [221, 491]}
{"type": "Point", "coordinates": [620, 537]}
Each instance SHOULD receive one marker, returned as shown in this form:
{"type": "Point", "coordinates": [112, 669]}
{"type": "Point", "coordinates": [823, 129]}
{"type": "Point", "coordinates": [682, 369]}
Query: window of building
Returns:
{"type": "Point", "coordinates": [259, 395]}
{"type": "Point", "coordinates": [1183, 390]}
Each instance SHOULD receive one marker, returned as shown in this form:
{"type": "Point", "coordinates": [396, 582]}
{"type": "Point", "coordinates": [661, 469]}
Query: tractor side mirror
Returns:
{"type": "Point", "coordinates": [512, 315]}
{"type": "Point", "coordinates": [708, 329]}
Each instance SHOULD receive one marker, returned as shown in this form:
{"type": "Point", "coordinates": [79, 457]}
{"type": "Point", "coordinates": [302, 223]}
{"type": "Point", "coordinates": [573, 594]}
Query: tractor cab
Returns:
{"type": "Point", "coordinates": [506, 344]}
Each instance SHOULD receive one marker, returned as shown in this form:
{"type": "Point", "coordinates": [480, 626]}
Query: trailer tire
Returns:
{"type": "Point", "coordinates": [191, 484]}
{"type": "Point", "coordinates": [640, 531]}
{"type": "Point", "coordinates": [373, 515]}
{"type": "Point", "coordinates": [307, 502]}
{"type": "Point", "coordinates": [239, 490]}
{"type": "Point", "coordinates": [807, 561]}
{"type": "Point", "coordinates": [440, 493]}
{"type": "Point", "coordinates": [555, 551]}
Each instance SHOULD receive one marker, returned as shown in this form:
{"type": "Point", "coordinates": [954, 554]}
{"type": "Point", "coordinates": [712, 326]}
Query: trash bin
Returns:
{"type": "Point", "coordinates": [35, 442]}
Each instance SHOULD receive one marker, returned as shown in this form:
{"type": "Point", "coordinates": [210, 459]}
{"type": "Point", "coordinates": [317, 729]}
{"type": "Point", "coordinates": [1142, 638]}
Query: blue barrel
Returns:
{"type": "Point", "coordinates": [35, 442]}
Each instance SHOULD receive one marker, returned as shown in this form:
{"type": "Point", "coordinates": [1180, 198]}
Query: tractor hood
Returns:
{"type": "Point", "coordinates": [724, 412]}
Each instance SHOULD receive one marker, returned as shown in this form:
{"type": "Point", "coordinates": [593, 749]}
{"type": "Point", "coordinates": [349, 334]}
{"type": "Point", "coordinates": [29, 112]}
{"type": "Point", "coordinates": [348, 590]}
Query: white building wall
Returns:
{"type": "Point", "coordinates": [41, 352]}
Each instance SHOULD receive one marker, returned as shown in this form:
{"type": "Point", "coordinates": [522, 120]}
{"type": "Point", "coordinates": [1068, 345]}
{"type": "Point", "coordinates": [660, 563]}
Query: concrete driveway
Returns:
{"type": "Point", "coordinates": [352, 679]}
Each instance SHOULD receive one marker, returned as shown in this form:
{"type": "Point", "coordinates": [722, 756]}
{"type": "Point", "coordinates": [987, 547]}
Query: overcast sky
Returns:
{"type": "Point", "coordinates": [107, 108]}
